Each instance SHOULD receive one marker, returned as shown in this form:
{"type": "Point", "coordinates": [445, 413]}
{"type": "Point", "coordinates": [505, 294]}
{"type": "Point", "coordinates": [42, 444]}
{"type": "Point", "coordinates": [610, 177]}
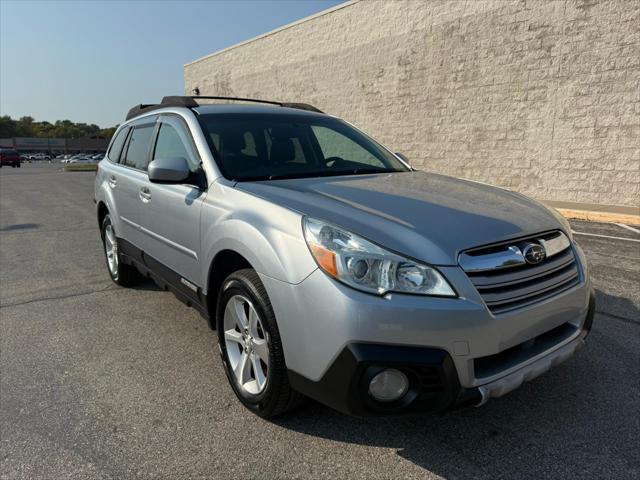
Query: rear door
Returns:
{"type": "Point", "coordinates": [128, 179]}
{"type": "Point", "coordinates": [170, 214]}
{"type": "Point", "coordinates": [114, 177]}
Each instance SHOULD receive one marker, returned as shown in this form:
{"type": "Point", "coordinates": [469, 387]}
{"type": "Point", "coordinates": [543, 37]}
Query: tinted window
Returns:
{"type": "Point", "coordinates": [259, 147]}
{"type": "Point", "coordinates": [336, 145]}
{"type": "Point", "coordinates": [138, 148]}
{"type": "Point", "coordinates": [173, 142]}
{"type": "Point", "coordinates": [116, 145]}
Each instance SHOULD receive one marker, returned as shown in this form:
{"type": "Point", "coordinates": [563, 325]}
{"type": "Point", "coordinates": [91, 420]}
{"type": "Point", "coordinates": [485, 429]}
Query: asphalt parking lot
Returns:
{"type": "Point", "coordinates": [99, 381]}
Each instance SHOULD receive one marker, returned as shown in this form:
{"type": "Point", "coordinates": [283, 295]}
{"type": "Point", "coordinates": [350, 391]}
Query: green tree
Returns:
{"type": "Point", "coordinates": [27, 127]}
{"type": "Point", "coordinates": [8, 127]}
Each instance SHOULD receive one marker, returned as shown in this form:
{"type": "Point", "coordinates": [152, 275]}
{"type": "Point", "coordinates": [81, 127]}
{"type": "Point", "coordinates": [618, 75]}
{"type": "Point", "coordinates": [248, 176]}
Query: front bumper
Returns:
{"type": "Point", "coordinates": [433, 379]}
{"type": "Point", "coordinates": [477, 355]}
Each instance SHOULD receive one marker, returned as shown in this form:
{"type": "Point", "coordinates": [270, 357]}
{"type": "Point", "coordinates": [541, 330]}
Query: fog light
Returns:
{"type": "Point", "coordinates": [389, 385]}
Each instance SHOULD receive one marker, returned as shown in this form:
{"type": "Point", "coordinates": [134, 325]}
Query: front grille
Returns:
{"type": "Point", "coordinates": [514, 286]}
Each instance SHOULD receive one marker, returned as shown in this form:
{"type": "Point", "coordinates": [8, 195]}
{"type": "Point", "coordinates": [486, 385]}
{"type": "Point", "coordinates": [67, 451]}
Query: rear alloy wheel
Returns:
{"type": "Point", "coordinates": [250, 346]}
{"type": "Point", "coordinates": [122, 274]}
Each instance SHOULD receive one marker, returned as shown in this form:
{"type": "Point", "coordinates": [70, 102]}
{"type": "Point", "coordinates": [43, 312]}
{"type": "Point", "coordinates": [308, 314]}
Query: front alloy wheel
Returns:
{"type": "Point", "coordinates": [250, 346]}
{"type": "Point", "coordinates": [247, 344]}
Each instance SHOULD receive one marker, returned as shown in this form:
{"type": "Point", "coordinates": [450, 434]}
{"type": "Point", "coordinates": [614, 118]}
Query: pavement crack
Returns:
{"type": "Point", "coordinates": [56, 297]}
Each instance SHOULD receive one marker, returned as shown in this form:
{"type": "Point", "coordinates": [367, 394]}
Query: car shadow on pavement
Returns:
{"type": "Point", "coordinates": [579, 419]}
{"type": "Point", "coordinates": [619, 308]}
{"type": "Point", "coordinates": [19, 226]}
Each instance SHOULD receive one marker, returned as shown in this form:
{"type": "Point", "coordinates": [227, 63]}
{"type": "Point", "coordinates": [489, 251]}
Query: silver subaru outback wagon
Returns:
{"type": "Point", "coordinates": [329, 267]}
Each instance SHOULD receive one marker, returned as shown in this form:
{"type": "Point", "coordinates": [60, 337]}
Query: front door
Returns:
{"type": "Point", "coordinates": [170, 214]}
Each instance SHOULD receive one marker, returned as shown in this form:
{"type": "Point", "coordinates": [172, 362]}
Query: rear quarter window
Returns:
{"type": "Point", "coordinates": [116, 145]}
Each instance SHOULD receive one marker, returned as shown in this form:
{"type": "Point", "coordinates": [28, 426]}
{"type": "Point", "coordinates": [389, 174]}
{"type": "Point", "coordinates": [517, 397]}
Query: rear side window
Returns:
{"type": "Point", "coordinates": [116, 145]}
{"type": "Point", "coordinates": [138, 149]}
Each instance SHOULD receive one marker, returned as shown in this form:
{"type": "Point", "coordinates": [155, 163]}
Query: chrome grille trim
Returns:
{"type": "Point", "coordinates": [510, 254]}
{"type": "Point", "coordinates": [509, 287]}
{"type": "Point", "coordinates": [511, 257]}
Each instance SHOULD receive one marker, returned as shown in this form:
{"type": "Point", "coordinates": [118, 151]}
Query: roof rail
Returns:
{"type": "Point", "coordinates": [237, 99]}
{"type": "Point", "coordinates": [190, 102]}
{"type": "Point", "coordinates": [299, 106]}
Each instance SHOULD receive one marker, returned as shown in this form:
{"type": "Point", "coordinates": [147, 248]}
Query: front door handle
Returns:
{"type": "Point", "coordinates": [145, 194]}
{"type": "Point", "coordinates": [112, 181]}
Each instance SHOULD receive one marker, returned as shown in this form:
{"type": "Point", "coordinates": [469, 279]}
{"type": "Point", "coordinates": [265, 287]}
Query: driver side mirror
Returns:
{"type": "Point", "coordinates": [169, 170]}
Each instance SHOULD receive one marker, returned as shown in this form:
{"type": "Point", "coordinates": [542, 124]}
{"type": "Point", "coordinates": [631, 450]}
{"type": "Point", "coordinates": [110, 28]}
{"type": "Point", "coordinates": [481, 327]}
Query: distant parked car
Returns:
{"type": "Point", "coordinates": [40, 157]}
{"type": "Point", "coordinates": [76, 157]}
{"type": "Point", "coordinates": [9, 156]}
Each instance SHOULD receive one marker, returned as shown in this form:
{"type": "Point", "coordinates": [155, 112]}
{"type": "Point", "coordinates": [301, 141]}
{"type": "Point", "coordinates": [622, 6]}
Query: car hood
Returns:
{"type": "Point", "coordinates": [423, 215]}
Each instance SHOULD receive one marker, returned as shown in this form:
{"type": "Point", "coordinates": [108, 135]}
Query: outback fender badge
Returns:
{"type": "Point", "coordinates": [190, 285]}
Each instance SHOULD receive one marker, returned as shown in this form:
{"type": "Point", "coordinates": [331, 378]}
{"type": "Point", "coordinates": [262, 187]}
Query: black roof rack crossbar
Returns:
{"type": "Point", "coordinates": [138, 109]}
{"type": "Point", "coordinates": [190, 102]}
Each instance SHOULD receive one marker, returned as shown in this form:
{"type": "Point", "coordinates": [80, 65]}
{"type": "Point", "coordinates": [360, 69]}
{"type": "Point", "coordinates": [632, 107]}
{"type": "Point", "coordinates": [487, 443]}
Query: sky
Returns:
{"type": "Point", "coordinates": [90, 61]}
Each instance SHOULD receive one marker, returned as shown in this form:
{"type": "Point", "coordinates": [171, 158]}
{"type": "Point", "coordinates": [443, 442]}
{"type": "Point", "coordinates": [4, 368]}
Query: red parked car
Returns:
{"type": "Point", "coordinates": [9, 156]}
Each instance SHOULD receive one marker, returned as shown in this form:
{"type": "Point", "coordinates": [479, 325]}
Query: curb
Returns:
{"type": "Point", "coordinates": [605, 217]}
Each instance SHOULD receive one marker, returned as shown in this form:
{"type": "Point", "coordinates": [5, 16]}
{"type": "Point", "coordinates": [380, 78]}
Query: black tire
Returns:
{"type": "Point", "coordinates": [18, 165]}
{"type": "Point", "coordinates": [277, 397]}
{"type": "Point", "coordinates": [125, 275]}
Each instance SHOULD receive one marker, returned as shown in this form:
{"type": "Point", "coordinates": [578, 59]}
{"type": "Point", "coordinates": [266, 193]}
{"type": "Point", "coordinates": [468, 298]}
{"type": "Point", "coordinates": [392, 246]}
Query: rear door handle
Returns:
{"type": "Point", "coordinates": [145, 194]}
{"type": "Point", "coordinates": [112, 181]}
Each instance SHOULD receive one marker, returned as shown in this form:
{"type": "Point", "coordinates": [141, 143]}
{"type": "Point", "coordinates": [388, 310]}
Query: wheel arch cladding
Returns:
{"type": "Point", "coordinates": [102, 212]}
{"type": "Point", "coordinates": [223, 264]}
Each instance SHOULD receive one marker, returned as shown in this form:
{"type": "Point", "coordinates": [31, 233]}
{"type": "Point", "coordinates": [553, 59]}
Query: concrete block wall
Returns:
{"type": "Point", "coordinates": [542, 97]}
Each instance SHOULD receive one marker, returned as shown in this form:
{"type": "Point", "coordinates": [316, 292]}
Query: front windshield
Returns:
{"type": "Point", "coordinates": [273, 146]}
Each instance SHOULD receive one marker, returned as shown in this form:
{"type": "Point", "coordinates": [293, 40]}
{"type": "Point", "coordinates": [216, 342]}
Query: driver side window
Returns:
{"type": "Point", "coordinates": [172, 142]}
{"type": "Point", "coordinates": [334, 144]}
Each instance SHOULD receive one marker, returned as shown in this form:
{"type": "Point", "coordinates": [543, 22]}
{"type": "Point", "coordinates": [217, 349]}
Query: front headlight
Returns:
{"type": "Point", "coordinates": [367, 267]}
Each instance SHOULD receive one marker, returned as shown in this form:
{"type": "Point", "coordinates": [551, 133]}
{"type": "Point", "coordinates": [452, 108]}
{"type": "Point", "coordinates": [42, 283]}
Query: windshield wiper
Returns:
{"type": "Point", "coordinates": [358, 171]}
